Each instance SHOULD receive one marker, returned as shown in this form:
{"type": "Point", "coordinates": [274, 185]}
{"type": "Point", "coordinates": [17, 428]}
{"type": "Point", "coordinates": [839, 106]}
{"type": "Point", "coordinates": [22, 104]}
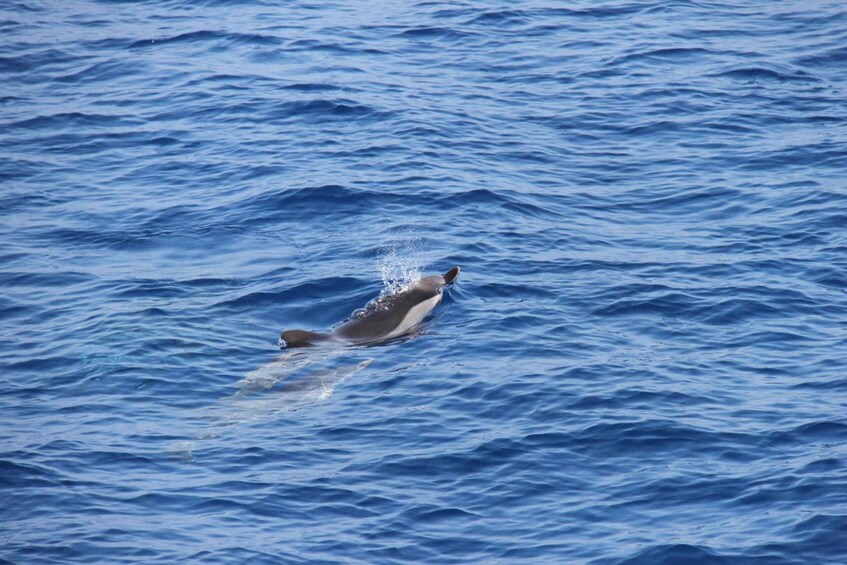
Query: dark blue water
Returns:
{"type": "Point", "coordinates": [644, 361]}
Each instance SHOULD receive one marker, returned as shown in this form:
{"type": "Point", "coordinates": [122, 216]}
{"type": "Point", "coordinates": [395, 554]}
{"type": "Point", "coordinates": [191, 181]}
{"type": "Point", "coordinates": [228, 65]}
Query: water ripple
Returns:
{"type": "Point", "coordinates": [640, 363]}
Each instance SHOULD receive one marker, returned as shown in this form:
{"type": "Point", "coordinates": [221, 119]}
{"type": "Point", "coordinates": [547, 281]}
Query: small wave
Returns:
{"type": "Point", "coordinates": [306, 292]}
{"type": "Point", "coordinates": [611, 11]}
{"type": "Point", "coordinates": [325, 200]}
{"type": "Point", "coordinates": [435, 33]}
{"type": "Point", "coordinates": [823, 432]}
{"type": "Point", "coordinates": [311, 45]}
{"type": "Point", "coordinates": [764, 74]}
{"type": "Point", "coordinates": [685, 55]}
{"type": "Point", "coordinates": [13, 65]}
{"type": "Point", "coordinates": [322, 109]}
{"type": "Point", "coordinates": [672, 554]}
{"type": "Point", "coordinates": [202, 36]}
{"type": "Point", "coordinates": [313, 87]}
{"type": "Point", "coordinates": [500, 18]}
{"type": "Point", "coordinates": [72, 120]}
{"type": "Point", "coordinates": [37, 60]}
{"type": "Point", "coordinates": [834, 58]}
{"type": "Point", "coordinates": [103, 71]}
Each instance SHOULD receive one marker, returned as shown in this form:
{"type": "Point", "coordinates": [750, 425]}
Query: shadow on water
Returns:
{"type": "Point", "coordinates": [293, 381]}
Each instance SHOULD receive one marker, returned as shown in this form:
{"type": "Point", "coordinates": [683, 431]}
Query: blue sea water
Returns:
{"type": "Point", "coordinates": [644, 359]}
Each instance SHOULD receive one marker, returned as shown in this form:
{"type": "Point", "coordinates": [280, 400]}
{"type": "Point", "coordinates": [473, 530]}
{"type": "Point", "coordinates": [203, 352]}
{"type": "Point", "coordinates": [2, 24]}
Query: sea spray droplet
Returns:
{"type": "Point", "coordinates": [399, 265]}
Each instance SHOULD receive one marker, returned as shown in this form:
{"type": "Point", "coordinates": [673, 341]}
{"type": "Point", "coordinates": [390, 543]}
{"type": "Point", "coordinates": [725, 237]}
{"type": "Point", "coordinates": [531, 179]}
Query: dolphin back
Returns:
{"type": "Point", "coordinates": [385, 319]}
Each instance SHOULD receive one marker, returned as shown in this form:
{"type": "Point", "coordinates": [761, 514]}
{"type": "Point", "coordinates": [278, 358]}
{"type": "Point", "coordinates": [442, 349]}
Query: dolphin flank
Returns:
{"type": "Point", "coordinates": [392, 316]}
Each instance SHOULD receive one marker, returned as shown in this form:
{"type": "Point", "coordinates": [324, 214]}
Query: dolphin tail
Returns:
{"type": "Point", "coordinates": [301, 338]}
{"type": "Point", "coordinates": [450, 275]}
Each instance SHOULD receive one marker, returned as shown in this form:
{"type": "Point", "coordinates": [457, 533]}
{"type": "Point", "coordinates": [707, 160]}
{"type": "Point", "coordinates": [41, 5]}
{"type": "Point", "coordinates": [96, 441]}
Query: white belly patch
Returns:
{"type": "Point", "coordinates": [415, 315]}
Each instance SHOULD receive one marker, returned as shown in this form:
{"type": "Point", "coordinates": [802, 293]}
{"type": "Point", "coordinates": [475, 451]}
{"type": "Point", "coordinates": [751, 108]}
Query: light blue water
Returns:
{"type": "Point", "coordinates": [643, 361]}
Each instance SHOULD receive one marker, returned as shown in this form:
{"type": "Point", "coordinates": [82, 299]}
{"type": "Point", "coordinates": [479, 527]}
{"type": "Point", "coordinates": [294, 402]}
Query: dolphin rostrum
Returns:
{"type": "Point", "coordinates": [384, 319]}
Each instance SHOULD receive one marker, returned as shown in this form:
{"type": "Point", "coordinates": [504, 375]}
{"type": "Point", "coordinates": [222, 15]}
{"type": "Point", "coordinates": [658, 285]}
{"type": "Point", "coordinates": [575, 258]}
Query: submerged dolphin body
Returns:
{"type": "Point", "coordinates": [387, 319]}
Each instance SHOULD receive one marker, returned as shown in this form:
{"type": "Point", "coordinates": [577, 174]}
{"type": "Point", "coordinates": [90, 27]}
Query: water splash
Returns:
{"type": "Point", "coordinates": [400, 264]}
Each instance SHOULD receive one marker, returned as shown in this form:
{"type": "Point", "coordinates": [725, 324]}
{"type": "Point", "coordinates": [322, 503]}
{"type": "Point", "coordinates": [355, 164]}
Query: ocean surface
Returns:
{"type": "Point", "coordinates": [644, 359]}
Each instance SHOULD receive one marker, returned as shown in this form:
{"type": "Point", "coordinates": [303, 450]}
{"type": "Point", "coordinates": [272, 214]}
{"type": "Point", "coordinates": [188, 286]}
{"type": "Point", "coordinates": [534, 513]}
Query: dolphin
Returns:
{"type": "Point", "coordinates": [382, 320]}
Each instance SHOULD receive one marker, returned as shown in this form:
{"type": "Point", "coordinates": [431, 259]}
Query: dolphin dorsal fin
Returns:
{"type": "Point", "coordinates": [450, 275]}
{"type": "Point", "coordinates": [301, 338]}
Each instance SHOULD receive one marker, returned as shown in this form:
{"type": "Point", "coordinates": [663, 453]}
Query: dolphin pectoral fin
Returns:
{"type": "Point", "coordinates": [451, 275]}
{"type": "Point", "coordinates": [301, 338]}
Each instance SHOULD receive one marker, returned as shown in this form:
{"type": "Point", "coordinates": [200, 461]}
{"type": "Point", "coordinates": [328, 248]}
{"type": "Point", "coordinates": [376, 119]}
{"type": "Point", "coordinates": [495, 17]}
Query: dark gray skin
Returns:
{"type": "Point", "coordinates": [392, 317]}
